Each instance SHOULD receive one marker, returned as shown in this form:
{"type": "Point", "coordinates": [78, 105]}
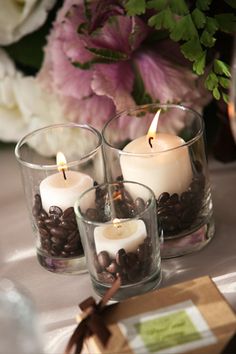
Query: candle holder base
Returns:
{"type": "Point", "coordinates": [59, 265]}
{"type": "Point", "coordinates": [125, 291]}
{"type": "Point", "coordinates": [190, 241]}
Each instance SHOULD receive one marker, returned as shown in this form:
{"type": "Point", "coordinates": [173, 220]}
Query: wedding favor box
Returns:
{"type": "Point", "coordinates": [190, 317]}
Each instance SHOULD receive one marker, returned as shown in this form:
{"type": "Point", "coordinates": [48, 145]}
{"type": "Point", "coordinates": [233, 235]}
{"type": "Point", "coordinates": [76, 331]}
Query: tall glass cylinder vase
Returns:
{"type": "Point", "coordinates": [58, 163]}
{"type": "Point", "coordinates": [171, 160]}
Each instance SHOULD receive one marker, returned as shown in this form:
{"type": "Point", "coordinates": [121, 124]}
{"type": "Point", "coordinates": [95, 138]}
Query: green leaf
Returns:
{"type": "Point", "coordinates": [231, 3]}
{"type": "Point", "coordinates": [163, 19]}
{"type": "Point", "coordinates": [198, 18]}
{"type": "Point", "coordinates": [211, 25]}
{"type": "Point", "coordinates": [211, 81]}
{"type": "Point", "coordinates": [225, 97]}
{"type": "Point", "coordinates": [221, 68]}
{"type": "Point", "coordinates": [135, 7]}
{"type": "Point", "coordinates": [216, 93]}
{"type": "Point", "coordinates": [203, 4]}
{"type": "Point", "coordinates": [206, 39]}
{"type": "Point", "coordinates": [224, 82]}
{"type": "Point", "coordinates": [192, 49]}
{"type": "Point", "coordinates": [87, 10]}
{"type": "Point", "coordinates": [139, 93]}
{"type": "Point", "coordinates": [82, 27]}
{"type": "Point", "coordinates": [83, 66]}
{"type": "Point", "coordinates": [200, 63]}
{"type": "Point", "coordinates": [157, 4]}
{"type": "Point", "coordinates": [108, 54]}
{"type": "Point", "coordinates": [179, 7]}
{"type": "Point", "coordinates": [184, 29]}
{"type": "Point", "coordinates": [227, 22]}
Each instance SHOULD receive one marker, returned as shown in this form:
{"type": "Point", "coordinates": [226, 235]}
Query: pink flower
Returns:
{"type": "Point", "coordinates": [98, 62]}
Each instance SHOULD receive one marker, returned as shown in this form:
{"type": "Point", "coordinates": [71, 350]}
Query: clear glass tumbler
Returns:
{"type": "Point", "coordinates": [171, 160]}
{"type": "Point", "coordinates": [58, 163]}
{"type": "Point", "coordinates": [119, 235]}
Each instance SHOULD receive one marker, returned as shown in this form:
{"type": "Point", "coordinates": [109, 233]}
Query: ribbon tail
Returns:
{"type": "Point", "coordinates": [77, 338]}
{"type": "Point", "coordinates": [110, 292]}
{"type": "Point", "coordinates": [97, 326]}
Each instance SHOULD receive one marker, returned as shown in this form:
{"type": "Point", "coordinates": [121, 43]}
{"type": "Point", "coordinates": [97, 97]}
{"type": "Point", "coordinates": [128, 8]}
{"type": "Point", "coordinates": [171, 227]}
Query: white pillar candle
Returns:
{"type": "Point", "coordinates": [164, 167]}
{"type": "Point", "coordinates": [55, 190]}
{"type": "Point", "coordinates": [127, 235]}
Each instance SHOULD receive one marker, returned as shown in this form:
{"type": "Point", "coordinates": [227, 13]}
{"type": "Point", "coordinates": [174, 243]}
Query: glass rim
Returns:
{"type": "Point", "coordinates": [110, 222]}
{"type": "Point", "coordinates": [54, 166]}
{"type": "Point", "coordinates": [161, 105]}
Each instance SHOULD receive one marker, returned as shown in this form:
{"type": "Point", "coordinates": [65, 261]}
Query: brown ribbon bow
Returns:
{"type": "Point", "coordinates": [92, 322]}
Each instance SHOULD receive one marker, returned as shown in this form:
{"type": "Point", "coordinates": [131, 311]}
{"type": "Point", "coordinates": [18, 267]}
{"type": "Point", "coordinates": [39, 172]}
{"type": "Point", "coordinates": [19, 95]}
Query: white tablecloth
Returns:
{"type": "Point", "coordinates": [56, 296]}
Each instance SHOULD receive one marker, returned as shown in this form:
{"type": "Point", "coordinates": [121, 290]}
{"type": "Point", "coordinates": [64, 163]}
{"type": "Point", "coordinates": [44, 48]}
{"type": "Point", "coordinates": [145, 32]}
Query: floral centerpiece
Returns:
{"type": "Point", "coordinates": [103, 56]}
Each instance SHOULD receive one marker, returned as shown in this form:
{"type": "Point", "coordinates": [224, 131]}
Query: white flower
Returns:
{"type": "Point", "coordinates": [20, 17]}
{"type": "Point", "coordinates": [24, 105]}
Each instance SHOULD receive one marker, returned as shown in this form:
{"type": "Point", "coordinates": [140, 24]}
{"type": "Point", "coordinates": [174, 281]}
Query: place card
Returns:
{"type": "Point", "coordinates": [190, 317]}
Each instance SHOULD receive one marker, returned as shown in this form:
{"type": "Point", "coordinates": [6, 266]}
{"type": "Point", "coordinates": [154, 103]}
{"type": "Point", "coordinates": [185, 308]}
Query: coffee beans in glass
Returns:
{"type": "Point", "coordinates": [162, 146]}
{"type": "Point", "coordinates": [58, 163]}
{"type": "Point", "coordinates": [120, 238]}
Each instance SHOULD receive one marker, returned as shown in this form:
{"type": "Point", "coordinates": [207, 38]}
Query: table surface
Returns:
{"type": "Point", "coordinates": [56, 296]}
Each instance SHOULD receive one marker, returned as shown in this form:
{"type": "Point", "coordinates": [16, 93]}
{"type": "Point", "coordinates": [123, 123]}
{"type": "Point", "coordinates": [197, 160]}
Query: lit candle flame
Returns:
{"type": "Point", "coordinates": [153, 128]}
{"type": "Point", "coordinates": [61, 163]}
{"type": "Point", "coordinates": [116, 223]}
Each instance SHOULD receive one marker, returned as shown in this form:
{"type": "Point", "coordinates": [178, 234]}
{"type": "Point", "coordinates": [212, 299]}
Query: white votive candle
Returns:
{"type": "Point", "coordinates": [164, 167]}
{"type": "Point", "coordinates": [61, 192]}
{"type": "Point", "coordinates": [127, 235]}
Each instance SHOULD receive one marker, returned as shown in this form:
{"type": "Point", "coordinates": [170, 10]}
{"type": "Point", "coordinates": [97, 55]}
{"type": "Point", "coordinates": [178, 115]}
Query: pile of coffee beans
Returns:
{"type": "Point", "coordinates": [177, 212]}
{"type": "Point", "coordinates": [59, 235]}
{"type": "Point", "coordinates": [131, 267]}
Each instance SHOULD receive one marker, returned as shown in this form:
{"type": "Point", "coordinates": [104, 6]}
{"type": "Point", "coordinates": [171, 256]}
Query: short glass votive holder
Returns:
{"type": "Point", "coordinates": [58, 163]}
{"type": "Point", "coordinates": [120, 238]}
{"type": "Point", "coordinates": [171, 160]}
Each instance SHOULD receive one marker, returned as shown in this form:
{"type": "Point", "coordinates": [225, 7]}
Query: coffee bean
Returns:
{"type": "Point", "coordinates": [121, 257]}
{"type": "Point", "coordinates": [97, 266]}
{"type": "Point", "coordinates": [43, 232]}
{"type": "Point", "coordinates": [142, 252]}
{"type": "Point", "coordinates": [55, 210]}
{"type": "Point", "coordinates": [67, 225]}
{"type": "Point", "coordinates": [50, 222]}
{"type": "Point", "coordinates": [37, 205]}
{"type": "Point", "coordinates": [69, 212]}
{"type": "Point", "coordinates": [132, 260]}
{"type": "Point", "coordinates": [43, 215]}
{"type": "Point", "coordinates": [74, 235]}
{"type": "Point", "coordinates": [123, 277]}
{"type": "Point", "coordinates": [198, 166]}
{"type": "Point", "coordinates": [71, 246]}
{"type": "Point", "coordinates": [134, 275]}
{"type": "Point", "coordinates": [174, 198]}
{"type": "Point", "coordinates": [40, 223]}
{"type": "Point", "coordinates": [56, 241]}
{"type": "Point", "coordinates": [163, 198]}
{"type": "Point", "coordinates": [113, 267]}
{"type": "Point", "coordinates": [57, 231]}
{"type": "Point", "coordinates": [104, 259]}
{"type": "Point", "coordinates": [106, 277]}
{"type": "Point", "coordinates": [139, 205]}
{"type": "Point", "coordinates": [186, 197]}
{"type": "Point", "coordinates": [92, 214]}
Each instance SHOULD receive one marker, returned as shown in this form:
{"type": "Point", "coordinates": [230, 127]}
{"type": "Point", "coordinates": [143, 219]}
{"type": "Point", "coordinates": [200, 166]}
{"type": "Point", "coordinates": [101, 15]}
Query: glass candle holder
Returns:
{"type": "Point", "coordinates": [51, 189]}
{"type": "Point", "coordinates": [171, 160]}
{"type": "Point", "coordinates": [119, 235]}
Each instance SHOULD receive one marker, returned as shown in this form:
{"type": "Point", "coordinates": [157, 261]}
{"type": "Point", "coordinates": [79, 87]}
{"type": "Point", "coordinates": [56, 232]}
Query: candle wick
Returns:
{"type": "Point", "coordinates": [64, 173]}
{"type": "Point", "coordinates": [149, 140]}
